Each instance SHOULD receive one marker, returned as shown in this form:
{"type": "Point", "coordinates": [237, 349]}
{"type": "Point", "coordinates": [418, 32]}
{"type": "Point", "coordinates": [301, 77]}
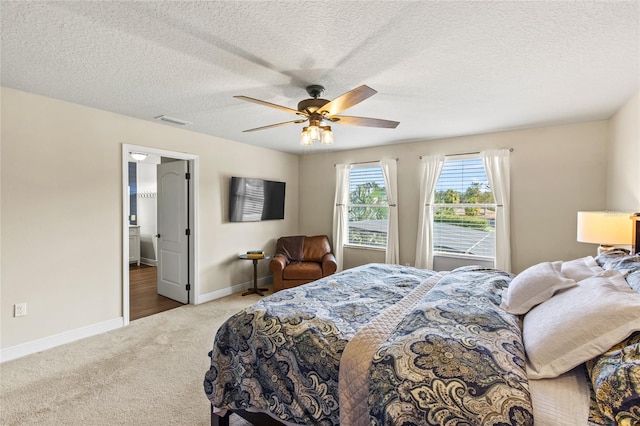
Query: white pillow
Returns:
{"type": "Point", "coordinates": [580, 269]}
{"type": "Point", "coordinates": [578, 324]}
{"type": "Point", "coordinates": [533, 286]}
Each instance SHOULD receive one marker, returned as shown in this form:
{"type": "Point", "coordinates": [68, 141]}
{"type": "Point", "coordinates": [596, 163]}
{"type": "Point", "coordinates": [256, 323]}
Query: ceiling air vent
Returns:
{"type": "Point", "coordinates": [173, 120]}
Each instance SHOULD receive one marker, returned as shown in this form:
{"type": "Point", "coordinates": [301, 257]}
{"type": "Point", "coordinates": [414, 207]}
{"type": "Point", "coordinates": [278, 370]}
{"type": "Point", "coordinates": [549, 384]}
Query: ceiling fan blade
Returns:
{"type": "Point", "coordinates": [269, 104]}
{"type": "Point", "coordinates": [364, 121]}
{"type": "Point", "coordinates": [270, 126]}
{"type": "Point", "coordinates": [347, 100]}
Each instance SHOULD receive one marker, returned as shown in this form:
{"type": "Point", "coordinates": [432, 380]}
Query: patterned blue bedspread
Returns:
{"type": "Point", "coordinates": [456, 359]}
{"type": "Point", "coordinates": [282, 355]}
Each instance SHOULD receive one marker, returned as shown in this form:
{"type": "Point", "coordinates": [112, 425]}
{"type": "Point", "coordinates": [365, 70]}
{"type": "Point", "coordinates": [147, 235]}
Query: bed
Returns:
{"type": "Point", "coordinates": [393, 345]}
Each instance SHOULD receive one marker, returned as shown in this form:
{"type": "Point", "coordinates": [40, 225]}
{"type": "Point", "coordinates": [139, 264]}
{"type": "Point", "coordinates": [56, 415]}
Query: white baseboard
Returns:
{"type": "Point", "coordinates": [149, 262]}
{"type": "Point", "coordinates": [45, 343]}
{"type": "Point", "coordinates": [208, 297]}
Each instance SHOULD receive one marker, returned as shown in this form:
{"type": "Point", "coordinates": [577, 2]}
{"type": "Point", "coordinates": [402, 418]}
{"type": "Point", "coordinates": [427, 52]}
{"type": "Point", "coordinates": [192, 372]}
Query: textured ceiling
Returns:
{"type": "Point", "coordinates": [441, 69]}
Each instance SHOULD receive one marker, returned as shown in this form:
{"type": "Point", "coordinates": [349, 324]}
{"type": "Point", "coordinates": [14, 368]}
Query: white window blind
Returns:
{"type": "Point", "coordinates": [368, 207]}
{"type": "Point", "coordinates": [464, 210]}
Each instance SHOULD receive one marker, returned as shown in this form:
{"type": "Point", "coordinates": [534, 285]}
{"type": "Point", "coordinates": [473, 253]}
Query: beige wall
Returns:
{"type": "Point", "coordinates": [61, 211]}
{"type": "Point", "coordinates": [623, 175]}
{"type": "Point", "coordinates": [555, 171]}
{"type": "Point", "coordinates": [61, 218]}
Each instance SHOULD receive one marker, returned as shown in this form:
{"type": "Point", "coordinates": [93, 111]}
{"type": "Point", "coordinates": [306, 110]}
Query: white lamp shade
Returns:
{"type": "Point", "coordinates": [605, 228]}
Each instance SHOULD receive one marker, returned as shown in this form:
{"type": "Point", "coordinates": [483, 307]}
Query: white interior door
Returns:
{"type": "Point", "coordinates": [173, 230]}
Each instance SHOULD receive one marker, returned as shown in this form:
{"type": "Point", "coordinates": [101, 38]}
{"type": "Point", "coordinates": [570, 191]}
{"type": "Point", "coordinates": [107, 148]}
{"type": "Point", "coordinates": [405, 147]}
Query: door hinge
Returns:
{"type": "Point", "coordinates": [187, 231]}
{"type": "Point", "coordinates": [188, 287]}
{"type": "Point", "coordinates": [187, 176]}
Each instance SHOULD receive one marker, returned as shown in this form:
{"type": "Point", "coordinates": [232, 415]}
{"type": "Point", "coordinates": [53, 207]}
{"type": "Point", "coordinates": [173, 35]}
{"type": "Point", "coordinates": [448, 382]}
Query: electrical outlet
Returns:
{"type": "Point", "coordinates": [20, 309]}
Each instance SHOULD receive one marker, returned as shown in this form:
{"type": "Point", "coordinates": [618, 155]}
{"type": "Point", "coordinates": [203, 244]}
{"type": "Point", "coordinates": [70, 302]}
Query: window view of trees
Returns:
{"type": "Point", "coordinates": [368, 194]}
{"type": "Point", "coordinates": [464, 210]}
{"type": "Point", "coordinates": [368, 207]}
{"type": "Point", "coordinates": [476, 203]}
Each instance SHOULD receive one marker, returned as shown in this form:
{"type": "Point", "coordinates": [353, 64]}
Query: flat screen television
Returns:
{"type": "Point", "coordinates": [252, 200]}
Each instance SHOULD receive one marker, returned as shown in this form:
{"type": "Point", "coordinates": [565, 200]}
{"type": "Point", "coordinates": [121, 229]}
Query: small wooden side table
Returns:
{"type": "Point", "coordinates": [255, 288]}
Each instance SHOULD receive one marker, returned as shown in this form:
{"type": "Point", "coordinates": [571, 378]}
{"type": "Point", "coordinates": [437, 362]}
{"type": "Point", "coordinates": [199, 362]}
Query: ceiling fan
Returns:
{"type": "Point", "coordinates": [318, 111]}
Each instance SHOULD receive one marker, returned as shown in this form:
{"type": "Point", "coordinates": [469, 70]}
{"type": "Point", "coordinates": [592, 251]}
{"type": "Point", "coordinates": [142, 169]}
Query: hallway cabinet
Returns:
{"type": "Point", "coordinates": [134, 244]}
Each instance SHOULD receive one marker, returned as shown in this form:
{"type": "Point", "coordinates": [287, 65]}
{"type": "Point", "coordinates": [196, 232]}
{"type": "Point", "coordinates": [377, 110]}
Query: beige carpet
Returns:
{"type": "Point", "coordinates": [149, 373]}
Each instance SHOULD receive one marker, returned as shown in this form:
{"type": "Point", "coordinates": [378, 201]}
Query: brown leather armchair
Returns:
{"type": "Point", "coordinates": [300, 260]}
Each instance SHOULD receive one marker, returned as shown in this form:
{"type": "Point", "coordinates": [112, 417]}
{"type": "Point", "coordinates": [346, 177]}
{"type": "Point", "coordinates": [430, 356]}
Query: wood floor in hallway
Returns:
{"type": "Point", "coordinates": [144, 299]}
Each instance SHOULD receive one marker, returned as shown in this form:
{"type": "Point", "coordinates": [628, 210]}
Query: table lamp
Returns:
{"type": "Point", "coordinates": [604, 228]}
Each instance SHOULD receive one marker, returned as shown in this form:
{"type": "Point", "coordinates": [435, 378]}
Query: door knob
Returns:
{"type": "Point", "coordinates": [157, 235]}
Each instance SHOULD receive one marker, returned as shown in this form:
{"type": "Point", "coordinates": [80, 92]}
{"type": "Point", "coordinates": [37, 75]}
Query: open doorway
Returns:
{"type": "Point", "coordinates": [147, 194]}
{"type": "Point", "coordinates": [144, 299]}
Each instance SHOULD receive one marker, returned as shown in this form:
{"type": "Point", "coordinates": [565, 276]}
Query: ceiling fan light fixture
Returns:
{"type": "Point", "coordinates": [314, 133]}
{"type": "Point", "coordinates": [327, 135]}
{"type": "Point", "coordinates": [305, 138]}
{"type": "Point", "coordinates": [320, 111]}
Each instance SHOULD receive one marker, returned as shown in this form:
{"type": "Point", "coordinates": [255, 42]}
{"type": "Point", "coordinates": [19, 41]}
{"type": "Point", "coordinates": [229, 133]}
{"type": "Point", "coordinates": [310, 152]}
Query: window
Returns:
{"type": "Point", "coordinates": [464, 210]}
{"type": "Point", "coordinates": [368, 207]}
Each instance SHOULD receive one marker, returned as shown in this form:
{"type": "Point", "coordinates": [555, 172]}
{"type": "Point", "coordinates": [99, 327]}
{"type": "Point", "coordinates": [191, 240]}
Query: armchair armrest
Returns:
{"type": "Point", "coordinates": [329, 264]}
{"type": "Point", "coordinates": [277, 264]}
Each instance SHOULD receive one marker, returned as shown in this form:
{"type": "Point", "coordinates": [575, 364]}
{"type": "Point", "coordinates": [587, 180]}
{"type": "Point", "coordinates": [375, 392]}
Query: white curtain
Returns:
{"type": "Point", "coordinates": [340, 213]}
{"type": "Point", "coordinates": [430, 168]}
{"type": "Point", "coordinates": [496, 164]}
{"type": "Point", "coordinates": [390, 173]}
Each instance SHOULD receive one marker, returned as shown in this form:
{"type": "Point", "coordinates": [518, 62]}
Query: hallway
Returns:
{"type": "Point", "coordinates": [143, 297]}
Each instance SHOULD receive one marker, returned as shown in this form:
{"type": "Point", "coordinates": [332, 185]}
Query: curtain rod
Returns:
{"type": "Point", "coordinates": [466, 153]}
{"type": "Point", "coordinates": [366, 162]}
